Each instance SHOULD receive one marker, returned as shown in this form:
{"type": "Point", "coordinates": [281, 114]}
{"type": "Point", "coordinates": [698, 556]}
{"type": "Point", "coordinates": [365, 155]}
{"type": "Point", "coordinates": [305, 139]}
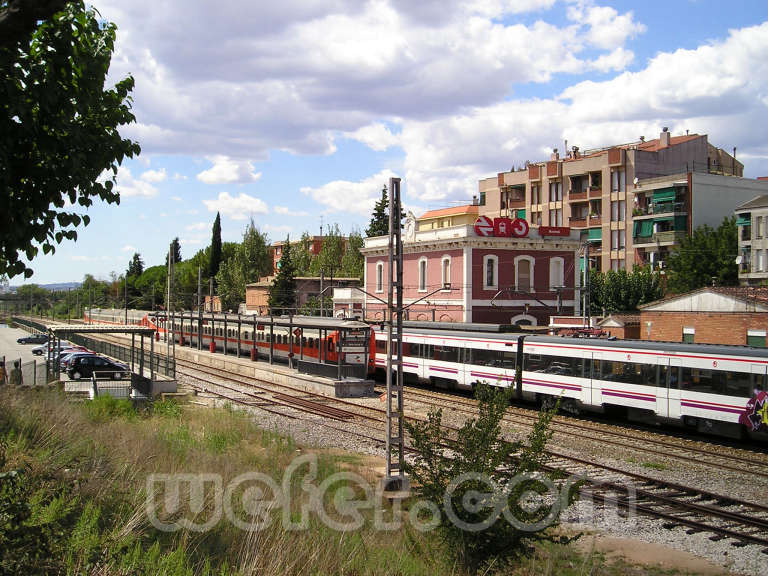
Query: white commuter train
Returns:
{"type": "Point", "coordinates": [717, 389]}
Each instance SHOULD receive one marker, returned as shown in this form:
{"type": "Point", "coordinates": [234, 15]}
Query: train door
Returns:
{"type": "Point", "coordinates": [593, 373]}
{"type": "Point", "coordinates": [672, 367]}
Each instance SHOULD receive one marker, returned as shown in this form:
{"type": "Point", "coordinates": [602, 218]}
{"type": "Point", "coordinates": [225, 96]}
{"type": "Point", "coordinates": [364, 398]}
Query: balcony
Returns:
{"type": "Point", "coordinates": [513, 204]}
{"type": "Point", "coordinates": [595, 192]}
{"type": "Point", "coordinates": [667, 237]}
{"type": "Point", "coordinates": [595, 220]}
{"type": "Point", "coordinates": [577, 195]}
{"type": "Point", "coordinates": [661, 208]}
{"type": "Point", "coordinates": [578, 222]}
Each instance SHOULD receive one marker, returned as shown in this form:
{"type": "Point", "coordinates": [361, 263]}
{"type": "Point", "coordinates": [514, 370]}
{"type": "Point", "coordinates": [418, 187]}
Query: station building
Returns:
{"type": "Point", "coordinates": [455, 271]}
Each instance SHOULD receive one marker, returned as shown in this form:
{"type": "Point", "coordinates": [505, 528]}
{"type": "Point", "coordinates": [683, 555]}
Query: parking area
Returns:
{"type": "Point", "coordinates": [14, 351]}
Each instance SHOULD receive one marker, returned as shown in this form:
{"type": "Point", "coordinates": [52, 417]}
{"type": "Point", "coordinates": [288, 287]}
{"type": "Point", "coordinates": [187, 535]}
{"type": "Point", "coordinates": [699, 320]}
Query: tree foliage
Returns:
{"type": "Point", "coordinates": [352, 262]}
{"type": "Point", "coordinates": [379, 224]}
{"type": "Point", "coordinates": [251, 261]}
{"type": "Point", "coordinates": [470, 484]}
{"type": "Point", "coordinates": [215, 255]}
{"type": "Point", "coordinates": [302, 255]}
{"type": "Point", "coordinates": [328, 261]}
{"type": "Point", "coordinates": [58, 128]}
{"type": "Point", "coordinates": [707, 256]}
{"type": "Point", "coordinates": [175, 249]}
{"type": "Point", "coordinates": [136, 265]}
{"type": "Point", "coordinates": [282, 293]}
{"type": "Point", "coordinates": [620, 291]}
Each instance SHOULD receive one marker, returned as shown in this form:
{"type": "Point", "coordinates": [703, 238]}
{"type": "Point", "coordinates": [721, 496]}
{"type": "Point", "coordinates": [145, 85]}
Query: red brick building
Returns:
{"type": "Point", "coordinates": [728, 315]}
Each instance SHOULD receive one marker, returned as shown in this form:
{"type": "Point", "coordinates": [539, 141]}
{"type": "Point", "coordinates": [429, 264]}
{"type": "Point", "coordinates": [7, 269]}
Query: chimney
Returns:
{"type": "Point", "coordinates": [555, 155]}
{"type": "Point", "coordinates": [642, 138]}
{"type": "Point", "coordinates": [664, 138]}
{"type": "Point", "coordinates": [575, 151]}
{"type": "Point", "coordinates": [474, 200]}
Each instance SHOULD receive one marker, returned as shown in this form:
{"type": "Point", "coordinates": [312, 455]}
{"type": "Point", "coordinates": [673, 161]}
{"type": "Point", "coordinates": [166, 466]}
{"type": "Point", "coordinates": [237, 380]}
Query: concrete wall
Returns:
{"type": "Point", "coordinates": [715, 197]}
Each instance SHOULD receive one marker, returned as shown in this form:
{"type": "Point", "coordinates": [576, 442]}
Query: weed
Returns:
{"type": "Point", "coordinates": [107, 407]}
{"type": "Point", "coordinates": [167, 408]}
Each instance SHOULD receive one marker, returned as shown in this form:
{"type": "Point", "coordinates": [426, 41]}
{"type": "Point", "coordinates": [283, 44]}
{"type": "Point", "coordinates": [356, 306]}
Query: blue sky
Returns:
{"type": "Point", "coordinates": [300, 112]}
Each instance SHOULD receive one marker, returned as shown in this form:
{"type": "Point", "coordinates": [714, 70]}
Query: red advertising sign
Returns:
{"type": "Point", "coordinates": [501, 227]}
{"type": "Point", "coordinates": [297, 332]}
{"type": "Point", "coordinates": [554, 231]}
{"type": "Point", "coordinates": [483, 226]}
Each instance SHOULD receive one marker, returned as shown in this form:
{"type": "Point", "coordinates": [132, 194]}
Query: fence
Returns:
{"type": "Point", "coordinates": [159, 362]}
{"type": "Point", "coordinates": [32, 373]}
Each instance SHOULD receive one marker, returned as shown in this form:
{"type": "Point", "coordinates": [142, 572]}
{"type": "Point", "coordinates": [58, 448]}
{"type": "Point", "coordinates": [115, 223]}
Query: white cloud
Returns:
{"type": "Point", "coordinates": [177, 176]}
{"type": "Point", "coordinates": [154, 176]}
{"type": "Point", "coordinates": [238, 208]}
{"type": "Point", "coordinates": [295, 75]}
{"type": "Point", "coordinates": [128, 248]}
{"type": "Point", "coordinates": [346, 196]}
{"type": "Point", "coordinates": [198, 226]}
{"type": "Point", "coordinates": [281, 229]}
{"type": "Point", "coordinates": [225, 170]}
{"type": "Point", "coordinates": [128, 186]}
{"type": "Point", "coordinates": [285, 211]}
{"type": "Point", "coordinates": [176, 198]}
{"type": "Point", "coordinates": [376, 136]}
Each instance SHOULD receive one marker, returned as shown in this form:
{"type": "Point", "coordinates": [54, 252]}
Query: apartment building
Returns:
{"type": "Point", "coordinates": [630, 202]}
{"type": "Point", "coordinates": [752, 221]}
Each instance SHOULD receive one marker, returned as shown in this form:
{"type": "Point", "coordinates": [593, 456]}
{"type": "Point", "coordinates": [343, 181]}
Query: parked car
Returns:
{"type": "Point", "coordinates": [33, 339]}
{"type": "Point", "coordinates": [40, 350]}
{"type": "Point", "coordinates": [67, 358]}
{"type": "Point", "coordinates": [87, 366]}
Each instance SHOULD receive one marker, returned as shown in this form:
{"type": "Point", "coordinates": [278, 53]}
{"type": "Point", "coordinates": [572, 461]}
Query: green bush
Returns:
{"type": "Point", "coordinates": [469, 481]}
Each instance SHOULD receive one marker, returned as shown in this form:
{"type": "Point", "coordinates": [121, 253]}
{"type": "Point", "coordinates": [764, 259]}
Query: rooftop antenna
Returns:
{"type": "Point", "coordinates": [321, 225]}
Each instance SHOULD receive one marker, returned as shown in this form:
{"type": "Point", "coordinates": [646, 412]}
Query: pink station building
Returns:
{"type": "Point", "coordinates": [481, 269]}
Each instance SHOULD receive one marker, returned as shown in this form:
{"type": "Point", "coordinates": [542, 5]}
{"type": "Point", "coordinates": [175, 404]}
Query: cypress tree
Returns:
{"type": "Point", "coordinates": [215, 261]}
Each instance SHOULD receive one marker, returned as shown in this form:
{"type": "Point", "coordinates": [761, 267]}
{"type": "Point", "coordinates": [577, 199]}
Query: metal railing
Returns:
{"type": "Point", "coordinates": [157, 362]}
{"type": "Point", "coordinates": [32, 373]}
{"type": "Point", "coordinates": [660, 208]}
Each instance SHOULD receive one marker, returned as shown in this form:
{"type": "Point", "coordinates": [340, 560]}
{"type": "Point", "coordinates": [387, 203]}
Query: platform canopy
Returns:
{"type": "Point", "coordinates": [65, 329]}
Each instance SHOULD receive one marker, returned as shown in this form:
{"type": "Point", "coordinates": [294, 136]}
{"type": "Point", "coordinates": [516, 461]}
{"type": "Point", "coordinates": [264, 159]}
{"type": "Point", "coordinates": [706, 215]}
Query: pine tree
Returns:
{"type": "Point", "coordinates": [379, 225]}
{"type": "Point", "coordinates": [215, 261]}
{"type": "Point", "coordinates": [176, 249]}
{"type": "Point", "coordinates": [282, 293]}
{"type": "Point", "coordinates": [136, 265]}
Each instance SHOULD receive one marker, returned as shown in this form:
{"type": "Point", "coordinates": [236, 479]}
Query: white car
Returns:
{"type": "Point", "coordinates": [43, 349]}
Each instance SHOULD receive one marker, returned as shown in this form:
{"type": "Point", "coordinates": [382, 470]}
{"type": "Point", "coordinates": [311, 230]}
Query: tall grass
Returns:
{"type": "Point", "coordinates": [84, 469]}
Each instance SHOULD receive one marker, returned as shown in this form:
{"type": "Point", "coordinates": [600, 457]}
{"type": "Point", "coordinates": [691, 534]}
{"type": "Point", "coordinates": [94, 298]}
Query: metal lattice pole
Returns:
{"type": "Point", "coordinates": [395, 441]}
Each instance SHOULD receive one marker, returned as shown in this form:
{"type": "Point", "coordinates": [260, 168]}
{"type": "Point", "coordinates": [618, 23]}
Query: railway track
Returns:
{"type": "Point", "coordinates": [700, 454]}
{"type": "Point", "coordinates": [743, 523]}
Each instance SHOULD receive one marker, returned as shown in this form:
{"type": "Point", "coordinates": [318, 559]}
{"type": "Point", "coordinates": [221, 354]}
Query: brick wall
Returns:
{"type": "Point", "coordinates": [710, 328]}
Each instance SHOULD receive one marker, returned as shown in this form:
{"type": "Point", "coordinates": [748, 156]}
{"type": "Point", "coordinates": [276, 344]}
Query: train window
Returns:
{"type": "Point", "coordinates": [559, 365]}
{"type": "Point", "coordinates": [446, 353]}
{"type": "Point", "coordinates": [303, 342]}
{"type": "Point", "coordinates": [310, 343]}
{"type": "Point", "coordinates": [626, 372]}
{"type": "Point", "coordinates": [381, 345]}
{"type": "Point", "coordinates": [245, 335]}
{"type": "Point", "coordinates": [741, 384]}
{"type": "Point", "coordinates": [330, 344]}
{"type": "Point", "coordinates": [509, 359]}
{"type": "Point", "coordinates": [485, 357]}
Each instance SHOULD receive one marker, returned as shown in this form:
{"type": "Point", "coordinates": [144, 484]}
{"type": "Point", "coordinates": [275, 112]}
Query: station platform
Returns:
{"type": "Point", "coordinates": [280, 374]}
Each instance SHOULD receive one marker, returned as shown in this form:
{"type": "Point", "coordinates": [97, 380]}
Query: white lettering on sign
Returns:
{"type": "Point", "coordinates": [501, 227]}
{"type": "Point", "coordinates": [483, 226]}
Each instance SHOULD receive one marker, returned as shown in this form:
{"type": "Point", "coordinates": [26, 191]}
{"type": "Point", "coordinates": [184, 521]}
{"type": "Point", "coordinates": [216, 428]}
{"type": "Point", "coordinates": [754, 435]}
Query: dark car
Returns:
{"type": "Point", "coordinates": [66, 357]}
{"type": "Point", "coordinates": [87, 366]}
{"type": "Point", "coordinates": [33, 339]}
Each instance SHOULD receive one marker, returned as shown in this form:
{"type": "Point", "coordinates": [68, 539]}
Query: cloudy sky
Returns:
{"type": "Point", "coordinates": [297, 112]}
